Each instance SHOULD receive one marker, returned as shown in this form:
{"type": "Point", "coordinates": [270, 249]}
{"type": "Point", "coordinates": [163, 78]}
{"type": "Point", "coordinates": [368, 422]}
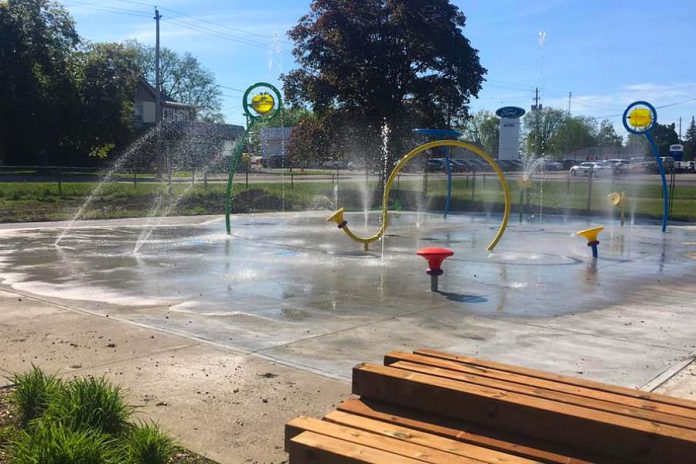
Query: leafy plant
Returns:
{"type": "Point", "coordinates": [35, 391]}
{"type": "Point", "coordinates": [147, 444]}
{"type": "Point", "coordinates": [91, 403]}
{"type": "Point", "coordinates": [51, 442]}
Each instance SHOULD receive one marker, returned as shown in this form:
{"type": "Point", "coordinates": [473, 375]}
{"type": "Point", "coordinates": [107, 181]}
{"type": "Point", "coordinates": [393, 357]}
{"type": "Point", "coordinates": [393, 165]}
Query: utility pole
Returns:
{"type": "Point", "coordinates": [570, 96]}
{"type": "Point", "coordinates": [158, 80]}
{"type": "Point", "coordinates": [680, 139]}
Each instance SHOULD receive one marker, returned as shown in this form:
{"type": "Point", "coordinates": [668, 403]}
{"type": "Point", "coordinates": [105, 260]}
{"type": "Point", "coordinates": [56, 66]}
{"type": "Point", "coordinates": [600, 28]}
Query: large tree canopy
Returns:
{"type": "Point", "coordinates": [37, 42]}
{"type": "Point", "coordinates": [405, 63]}
{"type": "Point", "coordinates": [183, 78]}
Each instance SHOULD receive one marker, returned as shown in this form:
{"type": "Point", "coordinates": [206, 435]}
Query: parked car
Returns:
{"type": "Point", "coordinates": [435, 164]}
{"type": "Point", "coordinates": [667, 162]}
{"type": "Point", "coordinates": [569, 163]}
{"type": "Point", "coordinates": [460, 165]}
{"type": "Point", "coordinates": [551, 165]}
{"type": "Point", "coordinates": [592, 168]}
{"type": "Point", "coordinates": [642, 165]}
{"type": "Point", "coordinates": [334, 164]}
{"type": "Point", "coordinates": [685, 166]}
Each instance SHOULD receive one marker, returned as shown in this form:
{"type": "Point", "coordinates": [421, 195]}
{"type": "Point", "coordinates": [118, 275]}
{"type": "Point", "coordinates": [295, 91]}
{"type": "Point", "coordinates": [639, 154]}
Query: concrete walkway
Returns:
{"type": "Point", "coordinates": [227, 406]}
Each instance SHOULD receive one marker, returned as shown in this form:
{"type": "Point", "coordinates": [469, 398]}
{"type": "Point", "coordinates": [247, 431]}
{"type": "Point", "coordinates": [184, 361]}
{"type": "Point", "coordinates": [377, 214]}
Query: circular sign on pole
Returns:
{"type": "Point", "coordinates": [640, 117]}
{"type": "Point", "coordinates": [264, 104]}
{"type": "Point", "coordinates": [510, 112]}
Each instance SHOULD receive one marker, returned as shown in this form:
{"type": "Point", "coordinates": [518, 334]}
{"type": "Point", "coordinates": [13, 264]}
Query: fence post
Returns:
{"type": "Point", "coordinates": [568, 185]}
{"type": "Point", "coordinates": [246, 178]}
{"type": "Point", "coordinates": [60, 181]}
{"type": "Point", "coordinates": [292, 180]}
{"type": "Point", "coordinates": [135, 178]}
{"type": "Point", "coordinates": [193, 176]}
{"type": "Point", "coordinates": [590, 175]}
{"type": "Point", "coordinates": [205, 178]}
{"type": "Point", "coordinates": [473, 186]}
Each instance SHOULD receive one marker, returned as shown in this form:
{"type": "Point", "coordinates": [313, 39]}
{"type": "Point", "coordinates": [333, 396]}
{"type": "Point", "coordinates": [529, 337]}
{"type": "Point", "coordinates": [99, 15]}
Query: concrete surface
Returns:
{"type": "Point", "coordinates": [223, 404]}
{"type": "Point", "coordinates": [290, 294]}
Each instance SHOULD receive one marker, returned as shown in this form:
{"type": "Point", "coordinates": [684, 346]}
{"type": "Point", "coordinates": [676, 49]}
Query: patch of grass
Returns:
{"type": "Point", "coordinates": [51, 442]}
{"type": "Point", "coordinates": [83, 421]}
{"type": "Point", "coordinates": [146, 444]}
{"type": "Point", "coordinates": [35, 391]}
{"type": "Point", "coordinates": [91, 404]}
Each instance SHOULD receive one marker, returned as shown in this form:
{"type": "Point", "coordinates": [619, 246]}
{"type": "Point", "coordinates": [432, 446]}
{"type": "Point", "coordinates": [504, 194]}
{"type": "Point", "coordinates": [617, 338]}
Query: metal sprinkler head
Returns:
{"type": "Point", "coordinates": [435, 256]}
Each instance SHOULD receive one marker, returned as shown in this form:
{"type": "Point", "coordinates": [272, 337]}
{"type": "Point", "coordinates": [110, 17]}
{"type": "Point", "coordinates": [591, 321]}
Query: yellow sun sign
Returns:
{"type": "Point", "coordinates": [263, 103]}
{"type": "Point", "coordinates": [640, 118]}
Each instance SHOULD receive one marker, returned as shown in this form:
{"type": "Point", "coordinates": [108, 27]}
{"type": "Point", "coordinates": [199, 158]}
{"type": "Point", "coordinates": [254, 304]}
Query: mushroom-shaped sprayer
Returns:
{"type": "Point", "coordinates": [435, 257]}
{"type": "Point", "coordinates": [591, 237]}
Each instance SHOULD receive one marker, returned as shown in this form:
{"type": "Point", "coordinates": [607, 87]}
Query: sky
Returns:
{"type": "Point", "coordinates": [606, 53]}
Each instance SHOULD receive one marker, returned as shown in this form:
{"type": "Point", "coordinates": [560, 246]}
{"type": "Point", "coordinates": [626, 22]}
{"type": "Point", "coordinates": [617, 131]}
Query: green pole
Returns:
{"type": "Point", "coordinates": [237, 153]}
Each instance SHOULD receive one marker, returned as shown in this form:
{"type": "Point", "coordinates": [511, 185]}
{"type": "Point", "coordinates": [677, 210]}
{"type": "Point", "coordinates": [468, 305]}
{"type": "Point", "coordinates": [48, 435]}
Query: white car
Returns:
{"type": "Point", "coordinates": [592, 168]}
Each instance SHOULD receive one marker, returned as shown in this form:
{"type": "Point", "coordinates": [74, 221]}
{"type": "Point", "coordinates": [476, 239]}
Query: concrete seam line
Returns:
{"type": "Point", "coordinates": [667, 374]}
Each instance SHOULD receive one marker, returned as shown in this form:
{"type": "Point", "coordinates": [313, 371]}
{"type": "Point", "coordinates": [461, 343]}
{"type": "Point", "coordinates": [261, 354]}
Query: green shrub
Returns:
{"type": "Point", "coordinates": [52, 443]}
{"type": "Point", "coordinates": [91, 403]}
{"type": "Point", "coordinates": [146, 444]}
{"type": "Point", "coordinates": [34, 393]}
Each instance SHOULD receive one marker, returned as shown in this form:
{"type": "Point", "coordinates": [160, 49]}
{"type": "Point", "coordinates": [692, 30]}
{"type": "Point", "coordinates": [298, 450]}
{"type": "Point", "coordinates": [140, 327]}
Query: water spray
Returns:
{"type": "Point", "coordinates": [618, 200]}
{"type": "Point", "coordinates": [640, 118]}
{"type": "Point", "coordinates": [342, 223]}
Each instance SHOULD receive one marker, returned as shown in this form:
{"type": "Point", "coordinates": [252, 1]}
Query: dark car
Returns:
{"type": "Point", "coordinates": [435, 164]}
{"type": "Point", "coordinates": [460, 165]}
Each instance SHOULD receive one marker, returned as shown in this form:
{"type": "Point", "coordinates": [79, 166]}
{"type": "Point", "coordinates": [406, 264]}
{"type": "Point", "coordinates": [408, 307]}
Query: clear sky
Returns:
{"type": "Point", "coordinates": [607, 53]}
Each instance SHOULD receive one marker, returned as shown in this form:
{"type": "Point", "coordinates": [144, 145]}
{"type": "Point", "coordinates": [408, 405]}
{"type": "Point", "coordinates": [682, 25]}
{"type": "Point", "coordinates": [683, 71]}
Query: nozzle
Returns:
{"type": "Point", "coordinates": [616, 198]}
{"type": "Point", "coordinates": [590, 234]}
{"type": "Point", "coordinates": [337, 217]}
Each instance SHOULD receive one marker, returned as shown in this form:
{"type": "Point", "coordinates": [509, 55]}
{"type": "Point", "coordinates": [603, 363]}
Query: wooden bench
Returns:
{"type": "Point", "coordinates": [435, 407]}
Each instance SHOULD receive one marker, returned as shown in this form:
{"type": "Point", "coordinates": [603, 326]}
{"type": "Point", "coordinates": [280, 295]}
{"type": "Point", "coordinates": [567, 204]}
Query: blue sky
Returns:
{"type": "Point", "coordinates": [607, 53]}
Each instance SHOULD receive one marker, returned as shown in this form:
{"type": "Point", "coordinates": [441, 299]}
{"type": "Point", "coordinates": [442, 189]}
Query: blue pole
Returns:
{"type": "Point", "coordinates": [661, 167]}
{"type": "Point", "coordinates": [449, 182]}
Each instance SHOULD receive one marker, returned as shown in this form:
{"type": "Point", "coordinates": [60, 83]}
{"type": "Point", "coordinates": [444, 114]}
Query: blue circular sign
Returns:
{"type": "Point", "coordinates": [510, 112]}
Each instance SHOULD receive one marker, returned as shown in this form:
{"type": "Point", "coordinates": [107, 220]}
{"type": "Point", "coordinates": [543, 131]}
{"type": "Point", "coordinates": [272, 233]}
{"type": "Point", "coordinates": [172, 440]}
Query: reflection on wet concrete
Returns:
{"type": "Point", "coordinates": [283, 278]}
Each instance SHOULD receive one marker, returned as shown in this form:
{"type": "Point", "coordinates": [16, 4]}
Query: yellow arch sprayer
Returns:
{"type": "Point", "coordinates": [339, 219]}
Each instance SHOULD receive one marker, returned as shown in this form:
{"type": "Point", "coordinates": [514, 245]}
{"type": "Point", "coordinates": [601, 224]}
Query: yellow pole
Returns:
{"type": "Point", "coordinates": [337, 217]}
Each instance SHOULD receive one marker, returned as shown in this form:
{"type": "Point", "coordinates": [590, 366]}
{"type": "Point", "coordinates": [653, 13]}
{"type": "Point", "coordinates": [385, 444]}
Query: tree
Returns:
{"type": "Point", "coordinates": [105, 76]}
{"type": "Point", "coordinates": [572, 133]}
{"type": "Point", "coordinates": [665, 135]}
{"type": "Point", "coordinates": [607, 136]}
{"type": "Point", "coordinates": [397, 64]}
{"type": "Point", "coordinates": [637, 145]}
{"type": "Point", "coordinates": [483, 128]}
{"type": "Point", "coordinates": [37, 41]}
{"type": "Point", "coordinates": [184, 79]}
{"type": "Point", "coordinates": [540, 126]}
{"type": "Point", "coordinates": [690, 141]}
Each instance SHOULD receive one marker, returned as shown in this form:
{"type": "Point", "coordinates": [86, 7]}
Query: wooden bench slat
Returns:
{"type": "Point", "coordinates": [656, 397]}
{"type": "Point", "coordinates": [622, 436]}
{"type": "Point", "coordinates": [424, 439]}
{"type": "Point", "coordinates": [376, 441]}
{"type": "Point", "coordinates": [313, 448]}
{"type": "Point", "coordinates": [469, 433]}
{"type": "Point", "coordinates": [654, 416]}
{"type": "Point", "coordinates": [579, 390]}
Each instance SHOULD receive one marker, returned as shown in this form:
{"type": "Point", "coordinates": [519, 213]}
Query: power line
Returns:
{"type": "Point", "coordinates": [201, 20]}
{"type": "Point", "coordinates": [222, 35]}
{"type": "Point", "coordinates": [110, 9]}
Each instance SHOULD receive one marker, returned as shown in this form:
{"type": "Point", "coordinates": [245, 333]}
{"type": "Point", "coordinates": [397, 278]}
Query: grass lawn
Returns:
{"type": "Point", "coordinates": [29, 201]}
